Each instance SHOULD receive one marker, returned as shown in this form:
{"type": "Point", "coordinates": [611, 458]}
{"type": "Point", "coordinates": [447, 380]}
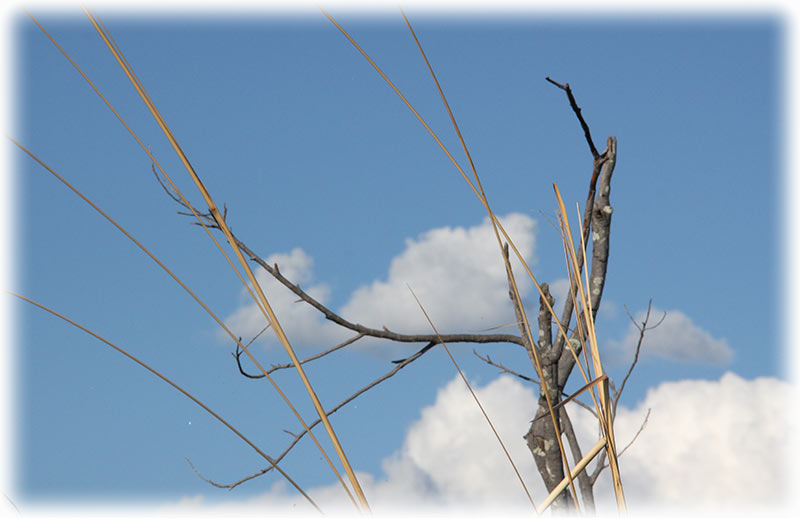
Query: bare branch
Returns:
{"type": "Point", "coordinates": [642, 329]}
{"type": "Point", "coordinates": [358, 328]}
{"type": "Point", "coordinates": [319, 355]}
{"type": "Point", "coordinates": [597, 167]}
{"type": "Point", "coordinates": [601, 464]}
{"type": "Point", "coordinates": [599, 211]}
{"type": "Point", "coordinates": [197, 472]}
{"type": "Point", "coordinates": [238, 354]}
{"type": "Point", "coordinates": [367, 331]}
{"type": "Point", "coordinates": [344, 402]}
{"type": "Point", "coordinates": [518, 307]}
{"type": "Point", "coordinates": [574, 105]}
{"type": "Point", "coordinates": [503, 368]}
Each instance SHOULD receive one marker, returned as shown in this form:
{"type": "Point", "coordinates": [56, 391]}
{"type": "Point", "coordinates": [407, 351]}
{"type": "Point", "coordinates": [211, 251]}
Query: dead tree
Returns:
{"type": "Point", "coordinates": [556, 349]}
{"type": "Point", "coordinates": [556, 359]}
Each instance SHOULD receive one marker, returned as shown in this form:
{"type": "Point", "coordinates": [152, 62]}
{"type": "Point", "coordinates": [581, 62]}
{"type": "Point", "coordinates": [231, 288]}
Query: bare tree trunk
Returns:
{"type": "Point", "coordinates": [555, 356]}
{"type": "Point", "coordinates": [542, 442]}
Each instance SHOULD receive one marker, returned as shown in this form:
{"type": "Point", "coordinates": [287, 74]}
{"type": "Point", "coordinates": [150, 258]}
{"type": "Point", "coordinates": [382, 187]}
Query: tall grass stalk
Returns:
{"type": "Point", "coordinates": [190, 292]}
{"type": "Point", "coordinates": [475, 398]}
{"type": "Point", "coordinates": [267, 311]}
{"type": "Point", "coordinates": [177, 387]}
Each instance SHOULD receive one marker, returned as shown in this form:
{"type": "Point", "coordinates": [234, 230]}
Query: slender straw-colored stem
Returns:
{"type": "Point", "coordinates": [200, 222]}
{"type": "Point", "coordinates": [604, 415]}
{"type": "Point", "coordinates": [484, 200]}
{"type": "Point", "coordinates": [176, 386]}
{"type": "Point", "coordinates": [475, 398]}
{"type": "Point", "coordinates": [581, 465]}
{"type": "Point", "coordinates": [193, 295]}
{"type": "Point", "coordinates": [265, 306]}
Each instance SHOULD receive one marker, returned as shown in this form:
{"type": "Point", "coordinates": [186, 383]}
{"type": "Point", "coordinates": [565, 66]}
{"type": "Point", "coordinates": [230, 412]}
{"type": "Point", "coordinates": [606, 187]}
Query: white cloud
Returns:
{"type": "Point", "coordinates": [559, 289]}
{"type": "Point", "coordinates": [677, 338]}
{"type": "Point", "coordinates": [722, 445]}
{"type": "Point", "coordinates": [302, 324]}
{"type": "Point", "coordinates": [458, 275]}
{"type": "Point", "coordinates": [709, 445]}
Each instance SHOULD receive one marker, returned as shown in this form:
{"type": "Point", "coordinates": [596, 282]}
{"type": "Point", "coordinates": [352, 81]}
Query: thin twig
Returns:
{"type": "Point", "coordinates": [291, 366]}
{"type": "Point", "coordinates": [175, 386]}
{"type": "Point", "coordinates": [642, 329]}
{"type": "Point", "coordinates": [574, 105]}
{"type": "Point", "coordinates": [601, 462]}
{"type": "Point", "coordinates": [505, 369]}
{"type": "Point", "coordinates": [475, 396]}
{"type": "Point", "coordinates": [344, 402]}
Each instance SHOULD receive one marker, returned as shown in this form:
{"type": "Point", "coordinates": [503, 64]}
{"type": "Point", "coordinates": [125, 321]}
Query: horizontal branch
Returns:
{"type": "Point", "coordinates": [330, 315]}
{"type": "Point", "coordinates": [368, 331]}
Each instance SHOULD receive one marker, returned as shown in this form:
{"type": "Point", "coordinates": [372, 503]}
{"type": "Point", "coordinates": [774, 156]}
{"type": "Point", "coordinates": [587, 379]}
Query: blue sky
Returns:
{"type": "Point", "coordinates": [319, 162]}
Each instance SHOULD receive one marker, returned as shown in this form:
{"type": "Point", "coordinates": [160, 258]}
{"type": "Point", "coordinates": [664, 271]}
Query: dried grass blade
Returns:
{"type": "Point", "coordinates": [194, 296]}
{"type": "Point", "coordinates": [475, 397]}
{"type": "Point", "coordinates": [179, 388]}
{"type": "Point", "coordinates": [604, 412]}
{"type": "Point", "coordinates": [484, 200]}
{"type": "Point", "coordinates": [265, 306]}
{"type": "Point", "coordinates": [145, 148]}
{"type": "Point", "coordinates": [495, 221]}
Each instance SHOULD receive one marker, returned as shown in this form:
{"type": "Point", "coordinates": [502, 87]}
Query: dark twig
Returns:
{"type": "Point", "coordinates": [641, 428]}
{"type": "Point", "coordinates": [197, 472]}
{"type": "Point", "coordinates": [642, 329]}
{"type": "Point", "coordinates": [317, 356]}
{"type": "Point", "coordinates": [346, 401]}
{"type": "Point", "coordinates": [289, 365]}
{"type": "Point", "coordinates": [505, 369]}
{"type": "Point", "coordinates": [574, 105]}
{"type": "Point", "coordinates": [238, 353]}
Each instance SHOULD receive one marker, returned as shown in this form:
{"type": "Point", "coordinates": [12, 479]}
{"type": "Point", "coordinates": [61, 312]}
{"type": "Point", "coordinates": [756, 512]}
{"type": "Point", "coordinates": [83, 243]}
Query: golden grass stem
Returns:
{"type": "Point", "coordinates": [144, 148]}
{"type": "Point", "coordinates": [260, 297]}
{"type": "Point", "coordinates": [484, 200]}
{"type": "Point", "coordinates": [179, 388]}
{"type": "Point", "coordinates": [193, 295]}
{"type": "Point", "coordinates": [580, 466]}
{"type": "Point", "coordinates": [604, 413]}
{"type": "Point", "coordinates": [475, 397]}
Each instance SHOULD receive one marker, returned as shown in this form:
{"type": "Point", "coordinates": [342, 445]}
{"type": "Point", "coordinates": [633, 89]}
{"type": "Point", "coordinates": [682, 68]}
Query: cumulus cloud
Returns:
{"type": "Point", "coordinates": [708, 445]}
{"type": "Point", "coordinates": [456, 272]}
{"type": "Point", "coordinates": [678, 339]}
{"type": "Point", "coordinates": [302, 324]}
{"type": "Point", "coordinates": [717, 445]}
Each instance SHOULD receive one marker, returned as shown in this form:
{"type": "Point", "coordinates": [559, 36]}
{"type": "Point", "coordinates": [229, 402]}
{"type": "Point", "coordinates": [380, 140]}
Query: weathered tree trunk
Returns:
{"type": "Point", "coordinates": [542, 442]}
{"type": "Point", "coordinates": [556, 359]}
